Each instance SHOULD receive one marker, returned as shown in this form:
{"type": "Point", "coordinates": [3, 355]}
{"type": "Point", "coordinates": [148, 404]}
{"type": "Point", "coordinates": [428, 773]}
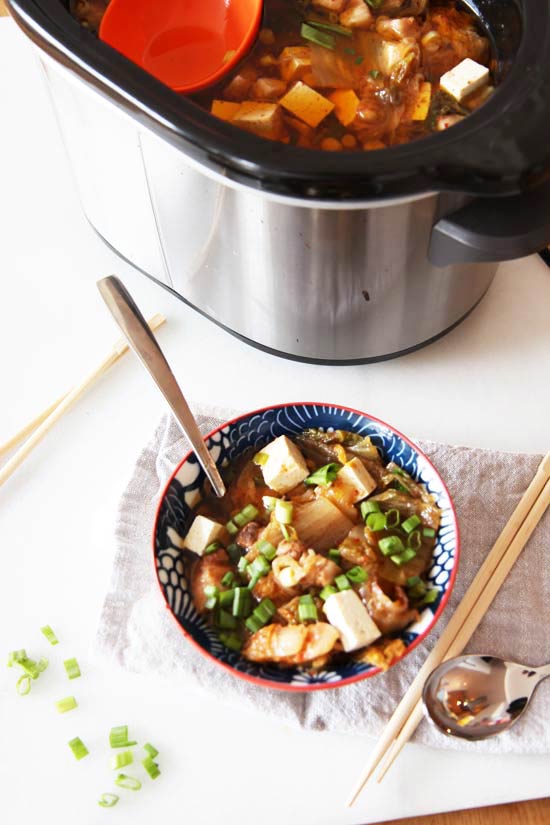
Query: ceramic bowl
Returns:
{"type": "Point", "coordinates": [255, 429]}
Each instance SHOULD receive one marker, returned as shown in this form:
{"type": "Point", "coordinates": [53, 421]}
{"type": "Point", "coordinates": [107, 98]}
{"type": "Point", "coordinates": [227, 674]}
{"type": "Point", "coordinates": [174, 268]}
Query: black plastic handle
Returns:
{"type": "Point", "coordinates": [493, 229]}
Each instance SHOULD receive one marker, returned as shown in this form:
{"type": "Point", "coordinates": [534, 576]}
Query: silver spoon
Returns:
{"type": "Point", "coordinates": [143, 342]}
{"type": "Point", "coordinates": [475, 697]}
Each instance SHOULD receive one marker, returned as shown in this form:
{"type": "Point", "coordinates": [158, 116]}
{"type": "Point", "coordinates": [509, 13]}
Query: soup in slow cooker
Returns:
{"type": "Point", "coordinates": [350, 75]}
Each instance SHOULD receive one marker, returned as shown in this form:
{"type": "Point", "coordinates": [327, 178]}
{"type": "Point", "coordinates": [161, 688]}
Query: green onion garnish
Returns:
{"type": "Point", "coordinates": [69, 703]}
{"type": "Point", "coordinates": [151, 750]}
{"type": "Point", "coordinates": [212, 548]}
{"type": "Point", "coordinates": [335, 555]}
{"type": "Point", "coordinates": [231, 640]}
{"type": "Point", "coordinates": [285, 531]}
{"type": "Point", "coordinates": [49, 634]}
{"type": "Point", "coordinates": [414, 540]}
{"type": "Point", "coordinates": [367, 507]}
{"type": "Point", "coordinates": [349, 51]}
{"type": "Point", "coordinates": [401, 488]}
{"type": "Point", "coordinates": [391, 545]}
{"type": "Point", "coordinates": [211, 603]}
{"type": "Point", "coordinates": [231, 528]}
{"type": "Point", "coordinates": [108, 800]}
{"type": "Point", "coordinates": [265, 610]}
{"type": "Point", "coordinates": [118, 737]}
{"type": "Point", "coordinates": [410, 524]}
{"type": "Point", "coordinates": [404, 557]}
{"type": "Point", "coordinates": [225, 599]}
{"type": "Point", "coordinates": [429, 532]}
{"type": "Point", "coordinates": [242, 565]}
{"type": "Point", "coordinates": [234, 552]}
{"type": "Point", "coordinates": [78, 748]}
{"type": "Point", "coordinates": [393, 517]}
{"type": "Point", "coordinates": [260, 459]}
{"type": "Point", "coordinates": [315, 36]}
{"type": "Point", "coordinates": [225, 620]}
{"type": "Point", "coordinates": [211, 590]}
{"type": "Point", "coordinates": [307, 612]}
{"type": "Point", "coordinates": [397, 471]}
{"type": "Point", "coordinates": [430, 597]}
{"type": "Point", "coordinates": [241, 602]}
{"type": "Point", "coordinates": [330, 27]}
{"type": "Point", "coordinates": [266, 549]}
{"type": "Point", "coordinates": [16, 656]}
{"type": "Point", "coordinates": [228, 579]}
{"type": "Point", "coordinates": [375, 74]}
{"type": "Point", "coordinates": [358, 60]}
{"type": "Point", "coordinates": [342, 582]}
{"type": "Point", "coordinates": [253, 624]}
{"type": "Point", "coordinates": [327, 591]}
{"type": "Point", "coordinates": [324, 475]}
{"type": "Point", "coordinates": [269, 502]}
{"type": "Point", "coordinates": [41, 664]}
{"type": "Point", "coordinates": [129, 782]}
{"type": "Point", "coordinates": [72, 669]}
{"type": "Point", "coordinates": [151, 767]}
{"type": "Point", "coordinates": [376, 521]}
{"type": "Point", "coordinates": [120, 760]}
{"type": "Point", "coordinates": [283, 511]}
{"type": "Point", "coordinates": [414, 581]}
{"type": "Point", "coordinates": [357, 574]}
{"type": "Point", "coordinates": [257, 569]}
{"type": "Point", "coordinates": [23, 684]}
{"type": "Point", "coordinates": [246, 515]}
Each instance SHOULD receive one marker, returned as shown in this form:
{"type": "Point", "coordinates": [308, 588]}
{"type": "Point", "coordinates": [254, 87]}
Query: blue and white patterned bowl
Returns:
{"type": "Point", "coordinates": [256, 429]}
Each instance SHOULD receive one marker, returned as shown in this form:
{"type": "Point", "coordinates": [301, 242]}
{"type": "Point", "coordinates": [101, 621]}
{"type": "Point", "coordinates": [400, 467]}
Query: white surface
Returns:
{"type": "Point", "coordinates": [485, 384]}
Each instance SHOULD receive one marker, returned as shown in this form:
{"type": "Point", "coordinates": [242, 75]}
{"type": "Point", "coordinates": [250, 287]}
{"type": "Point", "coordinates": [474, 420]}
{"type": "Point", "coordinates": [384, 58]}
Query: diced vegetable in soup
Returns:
{"type": "Point", "coordinates": [350, 75]}
{"type": "Point", "coordinates": [318, 552]}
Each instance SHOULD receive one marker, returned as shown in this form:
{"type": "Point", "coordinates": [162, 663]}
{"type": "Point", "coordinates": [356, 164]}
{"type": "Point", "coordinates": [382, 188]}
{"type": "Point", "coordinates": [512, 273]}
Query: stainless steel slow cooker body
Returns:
{"type": "Point", "coordinates": [310, 255]}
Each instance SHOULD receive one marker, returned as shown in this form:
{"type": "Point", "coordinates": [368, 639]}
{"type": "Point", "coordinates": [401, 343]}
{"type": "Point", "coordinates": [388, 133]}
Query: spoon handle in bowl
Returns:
{"type": "Point", "coordinates": [143, 342]}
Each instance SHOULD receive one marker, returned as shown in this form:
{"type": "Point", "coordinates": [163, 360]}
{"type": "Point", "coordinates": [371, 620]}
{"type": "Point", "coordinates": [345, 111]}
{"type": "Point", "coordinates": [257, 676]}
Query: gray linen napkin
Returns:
{"type": "Point", "coordinates": [137, 631]}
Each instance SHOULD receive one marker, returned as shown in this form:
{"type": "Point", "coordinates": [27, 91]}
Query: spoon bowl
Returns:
{"type": "Point", "coordinates": [474, 697]}
{"type": "Point", "coordinates": [188, 44]}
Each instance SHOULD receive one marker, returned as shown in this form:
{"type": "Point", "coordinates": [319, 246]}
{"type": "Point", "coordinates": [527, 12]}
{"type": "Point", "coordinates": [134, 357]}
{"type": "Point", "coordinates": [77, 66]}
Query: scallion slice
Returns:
{"type": "Point", "coordinates": [414, 581]}
{"type": "Point", "coordinates": [225, 620]}
{"type": "Point", "coordinates": [286, 532]}
{"type": "Point", "coordinates": [23, 684]}
{"type": "Point", "coordinates": [71, 668]}
{"type": "Point", "coordinates": [430, 597]}
{"type": "Point", "coordinates": [234, 552]}
{"type": "Point", "coordinates": [375, 74]}
{"type": "Point", "coordinates": [393, 517]}
{"type": "Point", "coordinates": [225, 599]}
{"type": "Point", "coordinates": [241, 602]}
{"type": "Point", "coordinates": [376, 522]}
{"type": "Point", "coordinates": [108, 800]}
{"type": "Point", "coordinates": [246, 515]}
{"type": "Point", "coordinates": [414, 540]}
{"type": "Point", "coordinates": [404, 557]}
{"type": "Point", "coordinates": [242, 565]}
{"type": "Point", "coordinates": [260, 459]}
{"type": "Point", "coordinates": [267, 549]}
{"type": "Point", "coordinates": [150, 750]}
{"type": "Point", "coordinates": [410, 524]}
{"type": "Point", "coordinates": [391, 545]}
{"type": "Point", "coordinates": [335, 555]}
{"type": "Point", "coordinates": [211, 590]}
{"type": "Point", "coordinates": [231, 640]}
{"type": "Point", "coordinates": [357, 574]}
{"type": "Point", "coordinates": [253, 624]}
{"type": "Point", "coordinates": [429, 532]}
{"type": "Point", "coordinates": [128, 782]}
{"type": "Point", "coordinates": [283, 511]}
{"type": "Point", "coordinates": [211, 603]}
{"type": "Point", "coordinates": [324, 475]}
{"type": "Point", "coordinates": [318, 37]}
{"type": "Point", "coordinates": [397, 471]}
{"type": "Point", "coordinates": [118, 737]}
{"type": "Point", "coordinates": [257, 569]}
{"type": "Point", "coordinates": [228, 579]}
{"type": "Point", "coordinates": [69, 703]}
{"type": "Point", "coordinates": [327, 591]}
{"type": "Point", "coordinates": [367, 507]}
{"type": "Point", "coordinates": [330, 27]}
{"type": "Point", "coordinates": [78, 748]}
{"type": "Point", "coordinates": [358, 60]}
{"type": "Point", "coordinates": [42, 664]}
{"type": "Point", "coordinates": [342, 582]}
{"type": "Point", "coordinates": [231, 528]}
{"type": "Point", "coordinates": [120, 760]}
{"type": "Point", "coordinates": [307, 611]}
{"type": "Point", "coordinates": [49, 634]}
{"type": "Point", "coordinates": [151, 767]}
{"type": "Point", "coordinates": [269, 502]}
{"type": "Point", "coordinates": [16, 656]}
{"type": "Point", "coordinates": [265, 611]}
{"type": "Point", "coordinates": [212, 548]}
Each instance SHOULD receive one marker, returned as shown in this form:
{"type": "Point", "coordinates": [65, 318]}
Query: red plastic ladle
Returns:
{"type": "Point", "coordinates": [188, 44]}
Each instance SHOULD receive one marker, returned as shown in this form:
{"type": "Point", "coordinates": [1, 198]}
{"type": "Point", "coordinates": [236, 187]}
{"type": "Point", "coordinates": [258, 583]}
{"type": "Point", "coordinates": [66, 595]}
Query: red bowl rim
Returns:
{"type": "Point", "coordinates": [308, 688]}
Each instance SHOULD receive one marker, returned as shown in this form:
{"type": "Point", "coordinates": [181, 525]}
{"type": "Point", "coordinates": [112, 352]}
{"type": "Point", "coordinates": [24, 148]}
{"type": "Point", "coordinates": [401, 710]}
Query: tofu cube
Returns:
{"type": "Point", "coordinates": [203, 532]}
{"type": "Point", "coordinates": [294, 62]}
{"type": "Point", "coordinates": [307, 104]}
{"type": "Point", "coordinates": [285, 466]}
{"type": "Point", "coordinates": [225, 109]}
{"type": "Point", "coordinates": [422, 105]}
{"type": "Point", "coordinates": [465, 79]}
{"type": "Point", "coordinates": [346, 103]}
{"type": "Point", "coordinates": [354, 482]}
{"type": "Point", "coordinates": [264, 119]}
{"type": "Point", "coordinates": [347, 613]}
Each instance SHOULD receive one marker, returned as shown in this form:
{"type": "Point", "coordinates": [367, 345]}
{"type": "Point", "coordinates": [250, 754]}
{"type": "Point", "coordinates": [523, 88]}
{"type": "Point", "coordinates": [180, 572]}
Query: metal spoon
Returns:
{"type": "Point", "coordinates": [475, 697]}
{"type": "Point", "coordinates": [143, 342]}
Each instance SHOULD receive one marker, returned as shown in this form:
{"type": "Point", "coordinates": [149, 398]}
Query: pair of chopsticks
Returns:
{"type": "Point", "coordinates": [33, 432]}
{"type": "Point", "coordinates": [463, 622]}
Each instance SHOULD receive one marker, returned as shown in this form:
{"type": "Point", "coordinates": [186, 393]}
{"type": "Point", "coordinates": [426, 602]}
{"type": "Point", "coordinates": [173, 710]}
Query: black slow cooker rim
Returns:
{"type": "Point", "coordinates": [501, 149]}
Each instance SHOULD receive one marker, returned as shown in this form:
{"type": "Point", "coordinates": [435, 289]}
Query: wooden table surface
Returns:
{"type": "Point", "coordinates": [535, 812]}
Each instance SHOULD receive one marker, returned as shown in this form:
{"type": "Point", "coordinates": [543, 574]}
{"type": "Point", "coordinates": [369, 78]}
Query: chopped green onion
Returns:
{"type": "Point", "coordinates": [335, 555]}
{"type": "Point", "coordinates": [283, 511]}
{"type": "Point", "coordinates": [391, 545]}
{"type": "Point", "coordinates": [42, 664]}
{"type": "Point", "coordinates": [246, 515]}
{"type": "Point", "coordinates": [327, 591]}
{"type": "Point", "coordinates": [414, 581]}
{"type": "Point", "coordinates": [397, 471]}
{"type": "Point", "coordinates": [212, 548]}
{"type": "Point", "coordinates": [241, 602]}
{"type": "Point", "coordinates": [414, 540]}
{"type": "Point", "coordinates": [118, 737]}
{"type": "Point", "coordinates": [253, 624]}
{"type": "Point", "coordinates": [260, 459]}
{"type": "Point", "coordinates": [430, 597]}
{"type": "Point", "coordinates": [410, 524]}
{"type": "Point", "coordinates": [23, 684]}
{"type": "Point", "coordinates": [429, 532]}
{"type": "Point", "coordinates": [267, 549]}
{"type": "Point", "coordinates": [225, 620]}
{"type": "Point", "coordinates": [330, 27]}
{"type": "Point", "coordinates": [16, 656]}
{"type": "Point", "coordinates": [228, 579]}
{"type": "Point", "coordinates": [69, 703]}
{"type": "Point", "coordinates": [358, 60]}
{"type": "Point", "coordinates": [285, 531]}
{"type": "Point", "coordinates": [108, 800]}
{"type": "Point", "coordinates": [393, 517]}
{"type": "Point", "coordinates": [225, 598]}
{"type": "Point", "coordinates": [151, 767]}
{"type": "Point", "coordinates": [269, 502]}
{"type": "Point", "coordinates": [404, 557]}
{"type": "Point", "coordinates": [211, 603]}
{"type": "Point", "coordinates": [375, 74]}
{"type": "Point", "coordinates": [307, 599]}
{"type": "Point", "coordinates": [151, 750]}
{"type": "Point", "coordinates": [129, 782]}
{"type": "Point", "coordinates": [231, 640]}
{"type": "Point", "coordinates": [258, 568]}
{"type": "Point", "coordinates": [324, 475]}
{"type": "Point", "coordinates": [401, 488]}
{"type": "Point", "coordinates": [357, 574]}
{"type": "Point", "coordinates": [318, 37]}
{"type": "Point", "coordinates": [49, 634]}
{"type": "Point", "coordinates": [342, 582]}
{"type": "Point", "coordinates": [349, 51]}
{"type": "Point", "coordinates": [120, 760]}
{"type": "Point", "coordinates": [265, 610]}
{"type": "Point", "coordinates": [231, 528]}
{"type": "Point", "coordinates": [376, 522]}
{"type": "Point", "coordinates": [78, 748]}
{"type": "Point", "coordinates": [367, 507]}
{"type": "Point", "coordinates": [242, 565]}
{"type": "Point", "coordinates": [234, 552]}
{"type": "Point", "coordinates": [211, 590]}
{"type": "Point", "coordinates": [307, 611]}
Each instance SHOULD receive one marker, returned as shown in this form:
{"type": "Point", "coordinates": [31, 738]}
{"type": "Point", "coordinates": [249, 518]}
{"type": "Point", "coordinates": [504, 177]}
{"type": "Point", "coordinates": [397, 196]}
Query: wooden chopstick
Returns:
{"type": "Point", "coordinates": [46, 420]}
{"type": "Point", "coordinates": [465, 619]}
{"type": "Point", "coordinates": [29, 428]}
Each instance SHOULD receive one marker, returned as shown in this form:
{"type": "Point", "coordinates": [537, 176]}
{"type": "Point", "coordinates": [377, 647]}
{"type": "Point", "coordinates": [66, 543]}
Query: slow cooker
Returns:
{"type": "Point", "coordinates": [317, 256]}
